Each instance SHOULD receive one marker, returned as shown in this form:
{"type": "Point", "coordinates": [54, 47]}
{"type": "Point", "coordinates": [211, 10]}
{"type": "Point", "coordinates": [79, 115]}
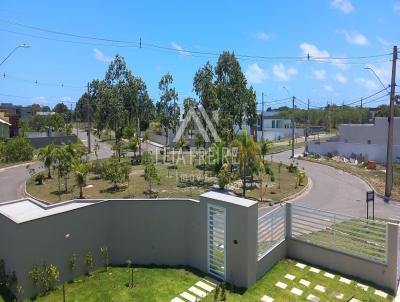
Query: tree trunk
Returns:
{"type": "Point", "coordinates": [49, 172]}
{"type": "Point", "coordinates": [244, 186]}
{"type": "Point", "coordinates": [80, 192]}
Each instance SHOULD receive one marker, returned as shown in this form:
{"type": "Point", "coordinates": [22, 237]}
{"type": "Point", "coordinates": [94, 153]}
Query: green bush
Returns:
{"type": "Point", "coordinates": [17, 149]}
{"type": "Point", "coordinates": [39, 178]}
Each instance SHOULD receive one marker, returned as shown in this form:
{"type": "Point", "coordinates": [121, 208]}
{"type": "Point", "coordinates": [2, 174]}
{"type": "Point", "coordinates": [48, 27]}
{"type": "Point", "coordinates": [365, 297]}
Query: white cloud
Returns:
{"type": "Point", "coordinates": [319, 74]}
{"type": "Point", "coordinates": [101, 56]}
{"type": "Point", "coordinates": [179, 48]}
{"type": "Point", "coordinates": [396, 7]}
{"type": "Point", "coordinates": [255, 74]}
{"type": "Point", "coordinates": [328, 88]}
{"type": "Point", "coordinates": [321, 55]}
{"type": "Point", "coordinates": [343, 5]}
{"type": "Point", "coordinates": [263, 36]}
{"type": "Point", "coordinates": [368, 84]}
{"type": "Point", "coordinates": [313, 51]}
{"type": "Point", "coordinates": [282, 73]}
{"type": "Point", "coordinates": [340, 78]}
{"type": "Point", "coordinates": [354, 37]}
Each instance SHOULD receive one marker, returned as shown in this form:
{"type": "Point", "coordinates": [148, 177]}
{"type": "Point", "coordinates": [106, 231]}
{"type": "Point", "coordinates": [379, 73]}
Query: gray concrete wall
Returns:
{"type": "Point", "coordinates": [40, 142]}
{"type": "Point", "coordinates": [267, 262]}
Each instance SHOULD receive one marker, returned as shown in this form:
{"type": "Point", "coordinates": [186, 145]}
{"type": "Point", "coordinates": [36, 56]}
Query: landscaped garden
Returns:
{"type": "Point", "coordinates": [286, 281]}
{"type": "Point", "coordinates": [183, 175]}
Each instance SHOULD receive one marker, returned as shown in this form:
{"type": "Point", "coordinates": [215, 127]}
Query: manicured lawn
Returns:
{"type": "Point", "coordinates": [286, 147]}
{"type": "Point", "coordinates": [162, 284]}
{"type": "Point", "coordinates": [152, 285]}
{"type": "Point", "coordinates": [184, 182]}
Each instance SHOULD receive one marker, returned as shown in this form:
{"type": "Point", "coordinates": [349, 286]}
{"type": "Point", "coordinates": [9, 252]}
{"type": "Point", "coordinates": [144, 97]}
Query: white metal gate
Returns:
{"type": "Point", "coordinates": [216, 242]}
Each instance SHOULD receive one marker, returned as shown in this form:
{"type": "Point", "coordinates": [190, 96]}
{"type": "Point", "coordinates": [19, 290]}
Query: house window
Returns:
{"type": "Point", "coordinates": [273, 123]}
{"type": "Point", "coordinates": [369, 142]}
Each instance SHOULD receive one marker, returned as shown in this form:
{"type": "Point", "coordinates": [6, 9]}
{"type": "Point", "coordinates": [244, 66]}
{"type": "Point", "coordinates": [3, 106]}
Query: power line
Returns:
{"type": "Point", "coordinates": [141, 44]}
{"type": "Point", "coordinates": [36, 82]}
{"type": "Point", "coordinates": [365, 98]}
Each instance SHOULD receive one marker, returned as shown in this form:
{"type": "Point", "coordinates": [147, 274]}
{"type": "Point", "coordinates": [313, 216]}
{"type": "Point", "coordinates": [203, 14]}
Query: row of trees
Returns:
{"type": "Point", "coordinates": [120, 102]}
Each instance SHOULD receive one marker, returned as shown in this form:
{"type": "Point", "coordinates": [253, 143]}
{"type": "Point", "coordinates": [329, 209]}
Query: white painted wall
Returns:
{"type": "Point", "coordinates": [375, 152]}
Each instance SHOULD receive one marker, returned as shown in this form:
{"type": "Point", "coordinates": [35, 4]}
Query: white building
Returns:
{"type": "Point", "coordinates": [369, 140]}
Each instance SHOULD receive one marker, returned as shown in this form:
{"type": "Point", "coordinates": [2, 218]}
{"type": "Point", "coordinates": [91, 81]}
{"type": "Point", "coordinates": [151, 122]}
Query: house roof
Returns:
{"type": "Point", "coordinates": [4, 122]}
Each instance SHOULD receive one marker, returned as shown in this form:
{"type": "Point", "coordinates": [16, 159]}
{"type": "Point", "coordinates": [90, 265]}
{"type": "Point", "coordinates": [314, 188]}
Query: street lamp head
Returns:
{"type": "Point", "coordinates": [24, 46]}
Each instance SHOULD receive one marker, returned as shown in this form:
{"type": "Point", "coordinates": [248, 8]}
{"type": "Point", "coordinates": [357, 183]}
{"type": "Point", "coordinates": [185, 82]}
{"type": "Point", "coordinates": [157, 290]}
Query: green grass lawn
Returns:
{"type": "Point", "coordinates": [184, 182]}
{"type": "Point", "coordinates": [162, 284]}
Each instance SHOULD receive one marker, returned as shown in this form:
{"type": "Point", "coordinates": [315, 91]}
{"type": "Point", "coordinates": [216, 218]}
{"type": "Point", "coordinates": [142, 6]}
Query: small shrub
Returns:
{"type": "Point", "coordinates": [89, 263]}
{"type": "Point", "coordinates": [72, 263]}
{"type": "Point", "coordinates": [106, 257]}
{"type": "Point", "coordinates": [18, 149]}
{"type": "Point", "coordinates": [34, 274]}
{"type": "Point", "coordinates": [39, 178]}
{"type": "Point", "coordinates": [49, 276]}
{"type": "Point", "coordinates": [292, 168]}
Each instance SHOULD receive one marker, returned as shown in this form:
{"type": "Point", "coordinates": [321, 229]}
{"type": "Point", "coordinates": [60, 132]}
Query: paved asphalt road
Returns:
{"type": "Point", "coordinates": [12, 179]}
{"type": "Point", "coordinates": [335, 190]}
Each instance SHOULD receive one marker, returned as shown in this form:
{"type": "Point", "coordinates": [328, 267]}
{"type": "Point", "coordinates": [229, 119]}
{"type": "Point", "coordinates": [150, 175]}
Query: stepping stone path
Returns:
{"type": "Point", "coordinates": [188, 297]}
{"type": "Point", "coordinates": [338, 296]}
{"type": "Point", "coordinates": [364, 287]}
{"type": "Point", "coordinates": [329, 275]}
{"type": "Point", "coordinates": [305, 282]}
{"type": "Point", "coordinates": [314, 270]}
{"type": "Point", "coordinates": [381, 293]}
{"type": "Point", "coordinates": [312, 298]}
{"type": "Point", "coordinates": [281, 284]}
{"type": "Point", "coordinates": [345, 280]}
{"type": "Point", "coordinates": [200, 290]}
{"type": "Point", "coordinates": [320, 288]}
{"type": "Point", "coordinates": [290, 277]}
{"type": "Point", "coordinates": [296, 291]}
{"type": "Point", "coordinates": [267, 299]}
{"type": "Point", "coordinates": [354, 300]}
{"type": "Point", "coordinates": [300, 265]}
{"type": "Point", "coordinates": [197, 292]}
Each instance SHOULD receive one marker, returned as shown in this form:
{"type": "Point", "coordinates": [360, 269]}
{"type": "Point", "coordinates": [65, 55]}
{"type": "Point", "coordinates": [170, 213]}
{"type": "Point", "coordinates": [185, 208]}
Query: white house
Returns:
{"type": "Point", "coordinates": [369, 140]}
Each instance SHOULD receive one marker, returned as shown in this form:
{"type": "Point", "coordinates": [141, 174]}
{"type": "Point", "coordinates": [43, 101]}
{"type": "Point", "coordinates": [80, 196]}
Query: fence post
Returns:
{"type": "Point", "coordinates": [288, 220]}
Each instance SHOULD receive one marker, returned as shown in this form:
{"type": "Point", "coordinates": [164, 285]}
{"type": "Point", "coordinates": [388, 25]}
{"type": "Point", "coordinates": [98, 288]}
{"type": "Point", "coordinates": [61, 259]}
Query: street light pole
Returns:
{"type": "Point", "coordinates": [12, 51]}
{"type": "Point", "coordinates": [376, 75]}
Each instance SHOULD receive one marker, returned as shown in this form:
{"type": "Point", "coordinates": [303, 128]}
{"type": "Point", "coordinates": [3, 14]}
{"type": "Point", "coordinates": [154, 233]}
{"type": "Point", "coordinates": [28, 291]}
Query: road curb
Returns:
{"type": "Point", "coordinates": [351, 173]}
{"type": "Point", "coordinates": [30, 195]}
{"type": "Point", "coordinates": [303, 192]}
{"type": "Point", "coordinates": [17, 166]}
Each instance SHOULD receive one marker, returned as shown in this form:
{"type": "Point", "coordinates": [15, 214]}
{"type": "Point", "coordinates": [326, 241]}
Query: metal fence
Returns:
{"type": "Point", "coordinates": [271, 230]}
{"type": "Point", "coordinates": [355, 236]}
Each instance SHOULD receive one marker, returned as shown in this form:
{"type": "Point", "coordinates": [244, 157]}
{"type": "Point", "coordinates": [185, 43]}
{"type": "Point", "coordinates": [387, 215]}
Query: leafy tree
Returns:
{"type": "Point", "coordinates": [115, 172]}
{"type": "Point", "coordinates": [224, 176]}
{"type": "Point", "coordinates": [18, 149]}
{"type": "Point", "coordinates": [150, 170]}
{"type": "Point", "coordinates": [118, 146]}
{"type": "Point", "coordinates": [46, 155]}
{"type": "Point", "coordinates": [23, 126]}
{"type": "Point", "coordinates": [72, 263]}
{"type": "Point", "coordinates": [203, 85]}
{"type": "Point", "coordinates": [189, 103]}
{"type": "Point", "coordinates": [63, 110]}
{"type": "Point", "coordinates": [133, 145]}
{"type": "Point", "coordinates": [80, 170]}
{"type": "Point", "coordinates": [167, 106]}
{"type": "Point", "coordinates": [237, 103]}
{"type": "Point", "coordinates": [63, 161]}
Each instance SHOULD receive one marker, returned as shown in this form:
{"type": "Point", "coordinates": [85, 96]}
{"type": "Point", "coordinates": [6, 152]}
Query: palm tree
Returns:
{"type": "Point", "coordinates": [265, 146]}
{"type": "Point", "coordinates": [248, 158]}
{"type": "Point", "coordinates": [46, 155]}
{"type": "Point", "coordinates": [80, 171]}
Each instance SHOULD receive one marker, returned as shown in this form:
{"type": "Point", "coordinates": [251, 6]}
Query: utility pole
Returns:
{"type": "Point", "coordinates": [262, 116]}
{"type": "Point", "coordinates": [89, 126]}
{"type": "Point", "coordinates": [389, 156]}
{"type": "Point", "coordinates": [307, 127]}
{"type": "Point", "coordinates": [361, 106]}
{"type": "Point", "coordinates": [293, 98]}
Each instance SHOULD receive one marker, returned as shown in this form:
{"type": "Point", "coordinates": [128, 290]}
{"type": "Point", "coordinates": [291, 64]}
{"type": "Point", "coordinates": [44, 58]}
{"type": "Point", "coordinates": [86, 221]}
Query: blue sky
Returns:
{"type": "Point", "coordinates": [341, 28]}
